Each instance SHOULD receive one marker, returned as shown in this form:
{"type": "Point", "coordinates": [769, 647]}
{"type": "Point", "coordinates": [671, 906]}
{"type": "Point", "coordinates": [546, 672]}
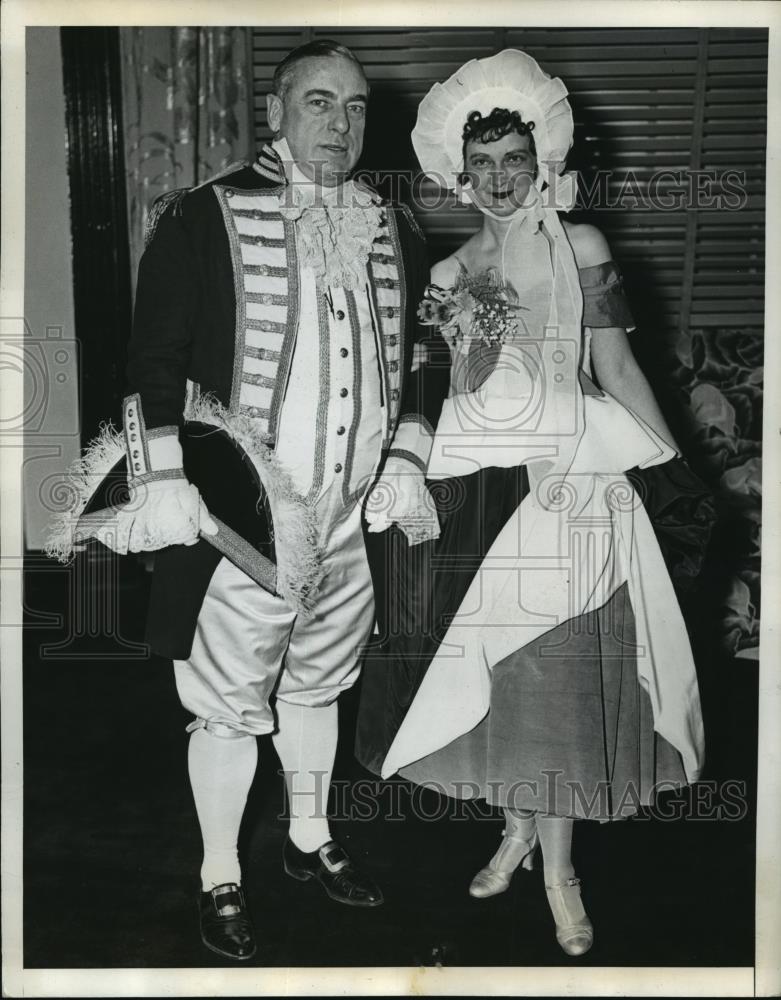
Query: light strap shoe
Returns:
{"type": "Point", "coordinates": [495, 877]}
{"type": "Point", "coordinates": [574, 931]}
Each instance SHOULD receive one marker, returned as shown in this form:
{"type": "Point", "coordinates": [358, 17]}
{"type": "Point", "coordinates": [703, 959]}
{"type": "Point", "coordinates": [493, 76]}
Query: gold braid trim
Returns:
{"type": "Point", "coordinates": [413, 222]}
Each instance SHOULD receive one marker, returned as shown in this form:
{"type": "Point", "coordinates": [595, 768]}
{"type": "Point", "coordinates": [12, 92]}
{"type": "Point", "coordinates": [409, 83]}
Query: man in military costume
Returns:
{"type": "Point", "coordinates": [276, 303]}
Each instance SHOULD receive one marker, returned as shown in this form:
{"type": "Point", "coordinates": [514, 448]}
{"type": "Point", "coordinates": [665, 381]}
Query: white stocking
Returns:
{"type": "Point", "coordinates": [519, 823]}
{"type": "Point", "coordinates": [306, 744]}
{"type": "Point", "coordinates": [556, 843]}
{"type": "Point", "coordinates": [221, 772]}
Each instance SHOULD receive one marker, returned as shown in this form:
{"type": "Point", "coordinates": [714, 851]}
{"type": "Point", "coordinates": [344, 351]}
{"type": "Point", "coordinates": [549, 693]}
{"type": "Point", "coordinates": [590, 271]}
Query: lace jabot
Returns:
{"type": "Point", "coordinates": [335, 227]}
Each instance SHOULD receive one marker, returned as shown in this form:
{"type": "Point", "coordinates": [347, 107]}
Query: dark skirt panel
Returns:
{"type": "Point", "coordinates": [569, 730]}
{"type": "Point", "coordinates": [424, 586]}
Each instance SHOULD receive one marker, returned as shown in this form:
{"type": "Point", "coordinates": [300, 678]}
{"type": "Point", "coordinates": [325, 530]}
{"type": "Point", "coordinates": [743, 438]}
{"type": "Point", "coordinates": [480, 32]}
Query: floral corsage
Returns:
{"type": "Point", "coordinates": [478, 307]}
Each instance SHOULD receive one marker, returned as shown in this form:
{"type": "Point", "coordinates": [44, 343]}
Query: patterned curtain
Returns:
{"type": "Point", "coordinates": [187, 109]}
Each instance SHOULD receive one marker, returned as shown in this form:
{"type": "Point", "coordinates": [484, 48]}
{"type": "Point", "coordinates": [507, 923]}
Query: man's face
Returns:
{"type": "Point", "coordinates": [322, 115]}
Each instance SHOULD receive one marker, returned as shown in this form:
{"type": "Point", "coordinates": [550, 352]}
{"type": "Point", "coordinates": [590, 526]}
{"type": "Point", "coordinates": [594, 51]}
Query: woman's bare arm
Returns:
{"type": "Point", "coordinates": [619, 374]}
{"type": "Point", "coordinates": [611, 354]}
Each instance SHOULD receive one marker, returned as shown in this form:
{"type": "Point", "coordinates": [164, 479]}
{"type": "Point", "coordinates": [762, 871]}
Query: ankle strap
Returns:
{"type": "Point", "coordinates": [531, 839]}
{"type": "Point", "coordinates": [563, 885]}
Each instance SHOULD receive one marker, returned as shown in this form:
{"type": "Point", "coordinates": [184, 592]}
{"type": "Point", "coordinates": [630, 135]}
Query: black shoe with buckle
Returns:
{"type": "Point", "coordinates": [333, 869]}
{"type": "Point", "coordinates": [225, 924]}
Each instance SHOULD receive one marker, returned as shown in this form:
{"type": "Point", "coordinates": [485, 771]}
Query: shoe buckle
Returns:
{"type": "Point", "coordinates": [334, 858]}
{"type": "Point", "coordinates": [227, 909]}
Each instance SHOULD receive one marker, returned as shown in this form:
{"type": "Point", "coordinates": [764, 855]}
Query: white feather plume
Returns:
{"type": "Point", "coordinates": [299, 560]}
{"type": "Point", "coordinates": [82, 479]}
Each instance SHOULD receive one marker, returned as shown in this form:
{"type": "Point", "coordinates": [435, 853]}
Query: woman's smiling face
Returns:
{"type": "Point", "coordinates": [501, 172]}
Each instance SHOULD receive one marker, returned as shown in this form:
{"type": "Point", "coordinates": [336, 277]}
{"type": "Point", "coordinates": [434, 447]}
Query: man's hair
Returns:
{"type": "Point", "coordinates": [318, 47]}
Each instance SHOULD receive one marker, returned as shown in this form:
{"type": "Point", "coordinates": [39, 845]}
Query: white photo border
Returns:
{"type": "Point", "coordinates": [762, 980]}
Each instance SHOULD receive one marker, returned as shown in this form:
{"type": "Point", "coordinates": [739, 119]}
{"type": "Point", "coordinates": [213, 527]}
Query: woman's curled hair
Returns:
{"type": "Point", "coordinates": [499, 123]}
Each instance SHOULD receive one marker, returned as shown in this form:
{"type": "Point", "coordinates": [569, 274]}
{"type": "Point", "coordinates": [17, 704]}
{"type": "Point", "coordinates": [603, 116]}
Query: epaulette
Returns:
{"type": "Point", "coordinates": [230, 169]}
{"type": "Point", "coordinates": [413, 222]}
{"type": "Point", "coordinates": [173, 199]}
{"type": "Point", "coordinates": [169, 199]}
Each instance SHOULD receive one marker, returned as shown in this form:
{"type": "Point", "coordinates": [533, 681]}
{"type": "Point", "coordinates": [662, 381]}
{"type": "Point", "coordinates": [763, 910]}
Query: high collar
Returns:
{"type": "Point", "coordinates": [275, 162]}
{"type": "Point", "coordinates": [269, 165]}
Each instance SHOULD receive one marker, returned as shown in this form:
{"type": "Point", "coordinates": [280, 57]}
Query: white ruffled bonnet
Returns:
{"type": "Point", "coordinates": [511, 79]}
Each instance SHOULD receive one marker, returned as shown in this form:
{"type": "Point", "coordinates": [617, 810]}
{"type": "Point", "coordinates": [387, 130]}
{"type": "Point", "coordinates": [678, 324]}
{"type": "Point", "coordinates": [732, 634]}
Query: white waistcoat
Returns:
{"type": "Point", "coordinates": [330, 429]}
{"type": "Point", "coordinates": [332, 417]}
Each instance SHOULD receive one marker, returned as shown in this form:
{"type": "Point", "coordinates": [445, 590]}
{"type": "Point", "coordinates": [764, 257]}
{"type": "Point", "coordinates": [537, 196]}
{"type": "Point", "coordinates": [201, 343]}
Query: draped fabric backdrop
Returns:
{"type": "Point", "coordinates": [186, 112]}
{"type": "Point", "coordinates": [718, 376]}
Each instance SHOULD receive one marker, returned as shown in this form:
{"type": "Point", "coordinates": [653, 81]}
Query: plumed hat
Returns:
{"type": "Point", "coordinates": [250, 497]}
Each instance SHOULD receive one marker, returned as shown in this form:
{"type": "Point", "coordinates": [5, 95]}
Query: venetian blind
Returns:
{"type": "Point", "coordinates": [660, 115]}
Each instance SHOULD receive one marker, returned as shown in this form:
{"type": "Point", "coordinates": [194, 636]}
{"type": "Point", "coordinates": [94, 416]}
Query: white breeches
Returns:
{"type": "Point", "coordinates": [249, 642]}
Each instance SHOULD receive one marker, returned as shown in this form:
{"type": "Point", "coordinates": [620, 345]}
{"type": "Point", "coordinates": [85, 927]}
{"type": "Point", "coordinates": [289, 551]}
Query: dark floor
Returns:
{"type": "Point", "coordinates": [112, 850]}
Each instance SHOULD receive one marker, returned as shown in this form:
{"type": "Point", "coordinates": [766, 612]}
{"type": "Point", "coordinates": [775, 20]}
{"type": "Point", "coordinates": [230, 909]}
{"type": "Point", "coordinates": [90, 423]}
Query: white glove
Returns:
{"type": "Point", "coordinates": [400, 495]}
{"type": "Point", "coordinates": [161, 513]}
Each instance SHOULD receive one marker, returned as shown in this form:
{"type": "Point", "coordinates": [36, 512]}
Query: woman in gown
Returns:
{"type": "Point", "coordinates": [537, 657]}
